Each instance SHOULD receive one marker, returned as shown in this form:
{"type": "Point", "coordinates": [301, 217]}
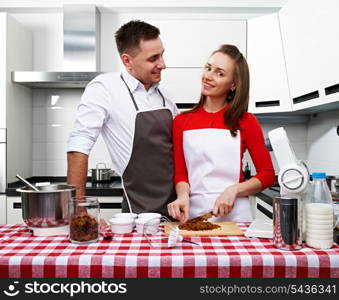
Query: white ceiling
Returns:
{"type": "Point", "coordinates": [142, 5]}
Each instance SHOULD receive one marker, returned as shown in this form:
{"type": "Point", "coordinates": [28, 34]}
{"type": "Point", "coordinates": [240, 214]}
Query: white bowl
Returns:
{"type": "Point", "coordinates": [320, 244]}
{"type": "Point", "coordinates": [316, 235]}
{"type": "Point", "coordinates": [151, 225]}
{"type": "Point", "coordinates": [125, 215]}
{"type": "Point", "coordinates": [149, 215]}
{"type": "Point", "coordinates": [328, 227]}
{"type": "Point", "coordinates": [122, 225]}
{"type": "Point", "coordinates": [320, 217]}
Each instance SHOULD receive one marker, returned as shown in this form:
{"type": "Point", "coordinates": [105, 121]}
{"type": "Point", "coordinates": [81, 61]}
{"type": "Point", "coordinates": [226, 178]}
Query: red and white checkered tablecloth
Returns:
{"type": "Point", "coordinates": [130, 255]}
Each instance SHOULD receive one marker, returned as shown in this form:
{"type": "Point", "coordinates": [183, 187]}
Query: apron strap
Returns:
{"type": "Point", "coordinates": [132, 97]}
{"type": "Point", "coordinates": [163, 98]}
{"type": "Point", "coordinates": [130, 93]}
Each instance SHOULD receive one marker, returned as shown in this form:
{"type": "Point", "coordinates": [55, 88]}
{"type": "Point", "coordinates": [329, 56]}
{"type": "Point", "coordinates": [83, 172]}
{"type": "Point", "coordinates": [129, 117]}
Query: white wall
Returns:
{"type": "Point", "coordinates": [323, 143]}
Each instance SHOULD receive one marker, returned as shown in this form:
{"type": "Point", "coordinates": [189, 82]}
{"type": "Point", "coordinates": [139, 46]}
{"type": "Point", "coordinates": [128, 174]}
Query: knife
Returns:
{"type": "Point", "coordinates": [202, 217]}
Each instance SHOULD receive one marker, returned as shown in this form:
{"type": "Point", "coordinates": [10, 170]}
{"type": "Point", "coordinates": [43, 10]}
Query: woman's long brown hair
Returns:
{"type": "Point", "coordinates": [238, 99]}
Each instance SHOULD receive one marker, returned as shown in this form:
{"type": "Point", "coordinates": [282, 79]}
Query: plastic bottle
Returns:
{"type": "Point", "coordinates": [319, 214]}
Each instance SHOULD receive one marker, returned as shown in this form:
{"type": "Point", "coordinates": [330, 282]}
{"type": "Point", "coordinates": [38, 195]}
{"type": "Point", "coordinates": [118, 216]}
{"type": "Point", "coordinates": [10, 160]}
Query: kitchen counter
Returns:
{"type": "Point", "coordinates": [130, 255]}
{"type": "Point", "coordinates": [112, 188]}
{"type": "Point", "coordinates": [267, 196]}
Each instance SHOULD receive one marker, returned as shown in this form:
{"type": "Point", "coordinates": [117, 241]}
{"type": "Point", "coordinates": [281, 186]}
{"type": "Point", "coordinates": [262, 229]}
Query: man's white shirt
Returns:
{"type": "Point", "coordinates": [106, 107]}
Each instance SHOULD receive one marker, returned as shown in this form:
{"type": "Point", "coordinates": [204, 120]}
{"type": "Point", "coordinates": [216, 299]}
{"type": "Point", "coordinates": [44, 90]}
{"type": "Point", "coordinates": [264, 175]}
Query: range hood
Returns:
{"type": "Point", "coordinates": [81, 39]}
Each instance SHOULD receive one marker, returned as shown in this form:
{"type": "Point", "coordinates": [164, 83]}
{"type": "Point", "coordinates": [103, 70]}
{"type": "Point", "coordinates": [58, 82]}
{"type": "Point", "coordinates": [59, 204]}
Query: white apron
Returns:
{"type": "Point", "coordinates": [213, 162]}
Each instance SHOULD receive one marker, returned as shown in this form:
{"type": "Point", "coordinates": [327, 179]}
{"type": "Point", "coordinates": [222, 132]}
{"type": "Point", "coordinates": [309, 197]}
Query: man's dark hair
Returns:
{"type": "Point", "coordinates": [129, 35]}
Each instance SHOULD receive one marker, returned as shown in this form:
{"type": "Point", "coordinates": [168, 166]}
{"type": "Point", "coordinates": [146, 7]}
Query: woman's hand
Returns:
{"type": "Point", "coordinates": [224, 203]}
{"type": "Point", "coordinates": [179, 209]}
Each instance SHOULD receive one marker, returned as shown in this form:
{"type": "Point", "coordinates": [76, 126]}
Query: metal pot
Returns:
{"type": "Point", "coordinates": [101, 174]}
{"type": "Point", "coordinates": [47, 207]}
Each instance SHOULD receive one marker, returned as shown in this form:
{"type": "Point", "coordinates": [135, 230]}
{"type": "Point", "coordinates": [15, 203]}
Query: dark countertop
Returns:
{"type": "Point", "coordinates": [267, 196]}
{"type": "Point", "coordinates": [112, 188]}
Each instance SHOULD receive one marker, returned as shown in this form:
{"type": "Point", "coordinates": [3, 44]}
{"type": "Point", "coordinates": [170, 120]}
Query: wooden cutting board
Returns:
{"type": "Point", "coordinates": [227, 228]}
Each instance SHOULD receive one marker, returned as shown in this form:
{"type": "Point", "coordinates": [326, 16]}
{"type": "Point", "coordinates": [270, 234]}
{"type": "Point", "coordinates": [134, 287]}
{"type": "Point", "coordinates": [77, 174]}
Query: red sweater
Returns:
{"type": "Point", "coordinates": [251, 138]}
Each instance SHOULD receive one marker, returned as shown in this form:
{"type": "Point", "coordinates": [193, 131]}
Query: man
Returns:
{"type": "Point", "coordinates": [135, 120]}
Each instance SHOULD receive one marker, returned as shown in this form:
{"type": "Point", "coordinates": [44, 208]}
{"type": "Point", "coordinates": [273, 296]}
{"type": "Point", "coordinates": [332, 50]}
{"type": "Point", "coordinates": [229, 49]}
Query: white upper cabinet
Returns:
{"type": "Point", "coordinates": [188, 45]}
{"type": "Point", "coordinates": [16, 100]}
{"type": "Point", "coordinates": [183, 85]}
{"type": "Point", "coordinates": [269, 91]}
{"type": "Point", "coordinates": [310, 33]}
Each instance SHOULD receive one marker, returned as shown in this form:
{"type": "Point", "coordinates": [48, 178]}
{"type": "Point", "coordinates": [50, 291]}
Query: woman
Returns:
{"type": "Point", "coordinates": [209, 143]}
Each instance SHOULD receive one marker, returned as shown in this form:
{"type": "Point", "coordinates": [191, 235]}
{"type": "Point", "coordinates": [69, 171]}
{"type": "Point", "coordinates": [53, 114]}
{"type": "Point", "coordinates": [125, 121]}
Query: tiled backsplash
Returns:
{"type": "Point", "coordinates": [323, 143]}
{"type": "Point", "coordinates": [315, 142]}
{"type": "Point", "coordinates": [53, 117]}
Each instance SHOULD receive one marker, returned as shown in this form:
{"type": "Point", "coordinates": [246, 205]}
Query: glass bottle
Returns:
{"type": "Point", "coordinates": [84, 220]}
{"type": "Point", "coordinates": [319, 214]}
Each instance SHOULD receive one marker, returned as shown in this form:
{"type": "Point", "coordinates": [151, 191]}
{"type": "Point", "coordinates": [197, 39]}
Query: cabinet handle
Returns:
{"type": "Point", "coordinates": [267, 103]}
{"type": "Point", "coordinates": [264, 211]}
{"type": "Point", "coordinates": [306, 97]}
{"type": "Point", "coordinates": [332, 89]}
{"type": "Point", "coordinates": [185, 105]}
{"type": "Point", "coordinates": [110, 205]}
{"type": "Point", "coordinates": [16, 205]}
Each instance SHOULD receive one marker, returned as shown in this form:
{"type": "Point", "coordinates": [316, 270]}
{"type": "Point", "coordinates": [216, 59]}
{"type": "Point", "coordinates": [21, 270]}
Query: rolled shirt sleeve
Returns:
{"type": "Point", "coordinates": [92, 113]}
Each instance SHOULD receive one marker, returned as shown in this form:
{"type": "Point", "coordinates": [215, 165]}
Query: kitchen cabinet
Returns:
{"type": "Point", "coordinates": [188, 44]}
{"type": "Point", "coordinates": [2, 209]}
{"type": "Point", "coordinates": [109, 206]}
{"type": "Point", "coordinates": [182, 85]}
{"type": "Point", "coordinates": [15, 100]}
{"type": "Point", "coordinates": [14, 211]}
{"type": "Point", "coordinates": [269, 91]}
{"type": "Point", "coordinates": [310, 31]}
{"type": "Point", "coordinates": [262, 208]}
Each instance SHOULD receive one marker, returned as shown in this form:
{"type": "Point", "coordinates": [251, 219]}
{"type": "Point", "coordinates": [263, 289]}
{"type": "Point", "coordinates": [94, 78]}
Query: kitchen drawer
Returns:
{"type": "Point", "coordinates": [264, 210]}
{"type": "Point", "coordinates": [2, 209]}
{"type": "Point", "coordinates": [14, 212]}
{"type": "Point", "coordinates": [107, 213]}
{"type": "Point", "coordinates": [109, 206]}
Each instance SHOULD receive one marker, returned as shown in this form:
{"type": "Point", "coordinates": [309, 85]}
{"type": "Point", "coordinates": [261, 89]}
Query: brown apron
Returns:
{"type": "Point", "coordinates": [148, 177]}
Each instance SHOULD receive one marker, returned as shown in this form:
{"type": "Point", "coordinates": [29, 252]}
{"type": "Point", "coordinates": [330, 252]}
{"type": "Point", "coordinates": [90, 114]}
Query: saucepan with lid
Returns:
{"type": "Point", "coordinates": [101, 173]}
